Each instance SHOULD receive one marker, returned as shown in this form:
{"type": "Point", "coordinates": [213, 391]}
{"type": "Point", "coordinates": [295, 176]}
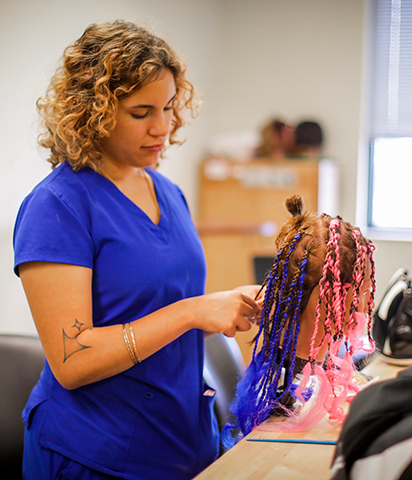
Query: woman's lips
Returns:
{"type": "Point", "coordinates": [154, 148]}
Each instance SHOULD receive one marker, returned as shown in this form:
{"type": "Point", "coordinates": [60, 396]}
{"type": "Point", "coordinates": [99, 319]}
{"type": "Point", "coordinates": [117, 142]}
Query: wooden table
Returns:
{"type": "Point", "coordinates": [261, 460]}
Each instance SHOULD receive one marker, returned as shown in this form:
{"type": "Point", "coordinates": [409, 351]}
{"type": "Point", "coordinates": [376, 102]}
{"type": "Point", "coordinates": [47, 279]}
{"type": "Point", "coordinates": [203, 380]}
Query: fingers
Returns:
{"type": "Point", "coordinates": [243, 325]}
{"type": "Point", "coordinates": [249, 300]}
{"type": "Point", "coordinates": [250, 290]}
{"type": "Point", "coordinates": [247, 314]}
{"type": "Point", "coordinates": [251, 308]}
{"type": "Point", "coordinates": [256, 292]}
{"type": "Point", "coordinates": [224, 312]}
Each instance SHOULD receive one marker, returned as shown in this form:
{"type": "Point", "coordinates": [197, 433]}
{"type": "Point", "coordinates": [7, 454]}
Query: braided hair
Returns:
{"type": "Point", "coordinates": [327, 257]}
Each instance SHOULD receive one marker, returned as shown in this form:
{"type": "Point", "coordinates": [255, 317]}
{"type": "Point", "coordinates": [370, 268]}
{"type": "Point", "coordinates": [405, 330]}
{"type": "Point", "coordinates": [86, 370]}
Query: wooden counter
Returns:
{"type": "Point", "coordinates": [261, 460]}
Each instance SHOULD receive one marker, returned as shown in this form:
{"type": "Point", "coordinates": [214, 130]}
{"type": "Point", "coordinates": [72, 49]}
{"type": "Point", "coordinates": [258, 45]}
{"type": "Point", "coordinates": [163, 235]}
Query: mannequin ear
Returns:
{"type": "Point", "coordinates": [307, 328]}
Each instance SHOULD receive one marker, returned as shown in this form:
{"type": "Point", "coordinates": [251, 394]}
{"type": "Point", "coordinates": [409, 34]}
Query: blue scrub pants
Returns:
{"type": "Point", "coordinates": [39, 463]}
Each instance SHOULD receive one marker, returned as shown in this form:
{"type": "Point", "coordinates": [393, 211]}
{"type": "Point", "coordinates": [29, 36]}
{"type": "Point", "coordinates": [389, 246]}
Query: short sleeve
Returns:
{"type": "Point", "coordinates": [50, 229]}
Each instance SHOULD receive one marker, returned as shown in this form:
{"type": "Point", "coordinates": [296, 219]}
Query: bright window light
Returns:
{"type": "Point", "coordinates": [391, 183]}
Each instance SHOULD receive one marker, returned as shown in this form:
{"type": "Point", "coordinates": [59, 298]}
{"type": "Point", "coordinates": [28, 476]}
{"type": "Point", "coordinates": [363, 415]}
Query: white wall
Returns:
{"type": "Point", "coordinates": [294, 59]}
{"type": "Point", "coordinates": [251, 59]}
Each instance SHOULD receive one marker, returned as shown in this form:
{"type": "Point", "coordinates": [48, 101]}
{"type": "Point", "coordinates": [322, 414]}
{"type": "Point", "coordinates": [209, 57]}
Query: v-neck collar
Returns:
{"type": "Point", "coordinates": [158, 194]}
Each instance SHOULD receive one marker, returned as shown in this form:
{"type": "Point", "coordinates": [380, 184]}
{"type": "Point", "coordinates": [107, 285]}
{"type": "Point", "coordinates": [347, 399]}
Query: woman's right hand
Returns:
{"type": "Point", "coordinates": [223, 312]}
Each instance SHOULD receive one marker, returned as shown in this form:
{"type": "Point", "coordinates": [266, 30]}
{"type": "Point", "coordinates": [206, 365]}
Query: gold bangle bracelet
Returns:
{"type": "Point", "coordinates": [129, 347]}
{"type": "Point", "coordinates": [134, 343]}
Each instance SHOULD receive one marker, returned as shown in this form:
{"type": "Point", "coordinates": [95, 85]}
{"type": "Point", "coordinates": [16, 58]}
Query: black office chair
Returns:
{"type": "Point", "coordinates": [21, 362]}
{"type": "Point", "coordinates": [261, 267]}
{"type": "Point", "coordinates": [224, 365]}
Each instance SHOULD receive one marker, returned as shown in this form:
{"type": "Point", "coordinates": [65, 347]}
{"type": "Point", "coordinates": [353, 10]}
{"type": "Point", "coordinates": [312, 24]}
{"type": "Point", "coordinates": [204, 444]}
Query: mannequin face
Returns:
{"type": "Point", "coordinates": [307, 324]}
{"type": "Point", "coordinates": [308, 317]}
{"type": "Point", "coordinates": [365, 291]}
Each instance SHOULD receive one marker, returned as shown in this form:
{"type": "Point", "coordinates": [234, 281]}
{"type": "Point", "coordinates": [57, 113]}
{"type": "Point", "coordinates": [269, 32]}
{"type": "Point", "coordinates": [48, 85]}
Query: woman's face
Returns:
{"type": "Point", "coordinates": [143, 122]}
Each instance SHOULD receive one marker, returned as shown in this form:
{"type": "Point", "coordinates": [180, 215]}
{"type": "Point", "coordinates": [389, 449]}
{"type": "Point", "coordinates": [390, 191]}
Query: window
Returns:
{"type": "Point", "coordinates": [391, 183]}
{"type": "Point", "coordinates": [390, 113]}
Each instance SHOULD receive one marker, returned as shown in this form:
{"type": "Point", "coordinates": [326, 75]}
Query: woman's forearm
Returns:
{"type": "Point", "coordinates": [78, 353]}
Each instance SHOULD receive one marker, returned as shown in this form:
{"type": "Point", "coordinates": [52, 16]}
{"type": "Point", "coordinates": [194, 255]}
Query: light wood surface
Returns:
{"type": "Point", "coordinates": [249, 460]}
{"type": "Point", "coordinates": [380, 369]}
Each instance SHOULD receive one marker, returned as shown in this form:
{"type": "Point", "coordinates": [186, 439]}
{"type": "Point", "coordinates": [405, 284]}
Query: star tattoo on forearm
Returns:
{"type": "Point", "coordinates": [71, 345]}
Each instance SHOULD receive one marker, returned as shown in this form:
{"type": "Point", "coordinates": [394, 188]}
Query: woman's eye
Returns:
{"type": "Point", "coordinates": [139, 117]}
{"type": "Point", "coordinates": [169, 107]}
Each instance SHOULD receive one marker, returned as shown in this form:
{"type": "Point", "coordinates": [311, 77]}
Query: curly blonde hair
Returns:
{"type": "Point", "coordinates": [107, 63]}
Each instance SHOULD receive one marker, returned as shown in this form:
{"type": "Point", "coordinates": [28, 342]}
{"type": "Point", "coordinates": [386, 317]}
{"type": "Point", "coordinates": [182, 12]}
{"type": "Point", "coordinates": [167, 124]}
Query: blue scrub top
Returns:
{"type": "Point", "coordinates": [153, 420]}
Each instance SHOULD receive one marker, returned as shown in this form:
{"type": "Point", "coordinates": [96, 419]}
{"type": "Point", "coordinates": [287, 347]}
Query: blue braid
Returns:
{"type": "Point", "coordinates": [268, 301]}
{"type": "Point", "coordinates": [284, 275]}
{"type": "Point", "coordinates": [269, 398]}
{"type": "Point", "coordinates": [256, 392]}
{"type": "Point", "coordinates": [255, 399]}
{"type": "Point", "coordinates": [295, 320]}
{"type": "Point", "coordinates": [267, 306]}
{"type": "Point", "coordinates": [277, 325]}
{"type": "Point", "coordinates": [294, 326]}
{"type": "Point", "coordinates": [285, 350]}
{"type": "Point", "coordinates": [275, 346]}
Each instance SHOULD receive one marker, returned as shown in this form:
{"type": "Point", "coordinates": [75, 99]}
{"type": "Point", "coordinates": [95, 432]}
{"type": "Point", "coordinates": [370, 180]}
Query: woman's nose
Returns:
{"type": "Point", "coordinates": [161, 125]}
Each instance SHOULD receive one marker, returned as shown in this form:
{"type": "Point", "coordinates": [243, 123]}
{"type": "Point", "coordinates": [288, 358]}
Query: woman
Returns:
{"type": "Point", "coordinates": [318, 292]}
{"type": "Point", "coordinates": [114, 273]}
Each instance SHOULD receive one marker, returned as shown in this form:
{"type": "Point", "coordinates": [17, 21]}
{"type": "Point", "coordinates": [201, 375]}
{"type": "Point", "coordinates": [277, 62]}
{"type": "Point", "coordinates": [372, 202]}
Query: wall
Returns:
{"type": "Point", "coordinates": [294, 59]}
{"type": "Point", "coordinates": [249, 59]}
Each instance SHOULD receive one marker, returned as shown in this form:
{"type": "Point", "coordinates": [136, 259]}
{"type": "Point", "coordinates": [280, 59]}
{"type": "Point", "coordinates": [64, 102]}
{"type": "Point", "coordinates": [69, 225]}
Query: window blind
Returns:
{"type": "Point", "coordinates": [391, 85]}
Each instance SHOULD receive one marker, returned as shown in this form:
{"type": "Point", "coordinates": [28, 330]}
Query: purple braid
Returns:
{"type": "Point", "coordinates": [287, 340]}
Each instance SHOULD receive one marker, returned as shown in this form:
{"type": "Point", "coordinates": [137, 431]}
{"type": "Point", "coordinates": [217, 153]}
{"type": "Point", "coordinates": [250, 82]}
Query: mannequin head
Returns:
{"type": "Point", "coordinates": [318, 296]}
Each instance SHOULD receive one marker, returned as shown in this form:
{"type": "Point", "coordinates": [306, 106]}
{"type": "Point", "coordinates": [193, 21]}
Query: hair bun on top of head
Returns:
{"type": "Point", "coordinates": [294, 204]}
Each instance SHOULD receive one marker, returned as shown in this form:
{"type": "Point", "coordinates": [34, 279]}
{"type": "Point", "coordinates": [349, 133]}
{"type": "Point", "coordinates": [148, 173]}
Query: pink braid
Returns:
{"type": "Point", "coordinates": [326, 290]}
{"type": "Point", "coordinates": [358, 274]}
{"type": "Point", "coordinates": [371, 249]}
{"type": "Point", "coordinates": [314, 351]}
{"type": "Point", "coordinates": [338, 371]}
{"type": "Point", "coordinates": [321, 401]}
{"type": "Point", "coordinates": [337, 302]}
